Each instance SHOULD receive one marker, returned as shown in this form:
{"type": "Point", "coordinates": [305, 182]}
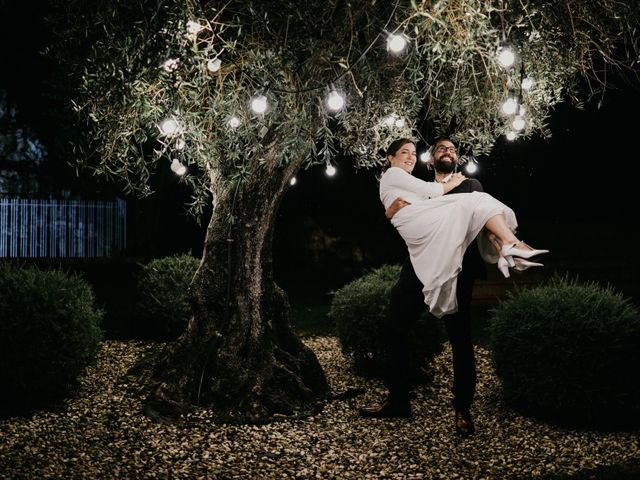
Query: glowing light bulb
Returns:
{"type": "Point", "coordinates": [177, 167]}
{"type": "Point", "coordinates": [506, 57]}
{"type": "Point", "coordinates": [396, 43]}
{"type": "Point", "coordinates": [335, 101]}
{"type": "Point", "coordinates": [171, 65]}
{"type": "Point", "coordinates": [330, 171]}
{"type": "Point", "coordinates": [425, 156]}
{"type": "Point", "coordinates": [234, 122]}
{"type": "Point", "coordinates": [293, 181]}
{"type": "Point", "coordinates": [169, 127]}
{"type": "Point", "coordinates": [194, 27]}
{"type": "Point", "coordinates": [471, 167]}
{"type": "Point", "coordinates": [511, 136]}
{"type": "Point", "coordinates": [518, 123]}
{"type": "Point", "coordinates": [214, 65]}
{"type": "Point", "coordinates": [259, 104]}
{"type": "Point", "coordinates": [509, 106]}
{"type": "Point", "coordinates": [527, 83]}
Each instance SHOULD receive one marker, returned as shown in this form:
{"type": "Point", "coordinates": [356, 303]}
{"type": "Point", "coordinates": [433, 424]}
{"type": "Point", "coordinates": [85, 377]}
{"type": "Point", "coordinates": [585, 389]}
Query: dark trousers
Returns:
{"type": "Point", "coordinates": [406, 306]}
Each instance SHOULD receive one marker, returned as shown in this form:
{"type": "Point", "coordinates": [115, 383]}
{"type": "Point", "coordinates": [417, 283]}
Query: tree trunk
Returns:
{"type": "Point", "coordinates": [238, 353]}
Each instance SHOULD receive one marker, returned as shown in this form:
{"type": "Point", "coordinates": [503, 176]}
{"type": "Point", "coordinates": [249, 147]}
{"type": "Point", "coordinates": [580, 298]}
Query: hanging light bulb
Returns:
{"type": "Point", "coordinates": [396, 43]}
{"type": "Point", "coordinates": [425, 156]}
{"type": "Point", "coordinates": [330, 171]}
{"type": "Point", "coordinates": [234, 122]}
{"type": "Point", "coordinates": [177, 167]}
{"type": "Point", "coordinates": [518, 123]}
{"type": "Point", "coordinates": [259, 104]}
{"type": "Point", "coordinates": [509, 106]}
{"type": "Point", "coordinates": [214, 64]}
{"type": "Point", "coordinates": [511, 136]}
{"type": "Point", "coordinates": [293, 181]}
{"type": "Point", "coordinates": [169, 127]}
{"type": "Point", "coordinates": [506, 57]}
{"type": "Point", "coordinates": [471, 167]}
{"type": "Point", "coordinates": [335, 101]}
{"type": "Point", "coordinates": [527, 83]}
{"type": "Point", "coordinates": [171, 65]}
{"type": "Point", "coordinates": [194, 27]}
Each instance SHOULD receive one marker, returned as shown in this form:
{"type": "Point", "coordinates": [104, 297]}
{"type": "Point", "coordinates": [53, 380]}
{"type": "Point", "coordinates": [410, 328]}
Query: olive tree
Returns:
{"type": "Point", "coordinates": [160, 84]}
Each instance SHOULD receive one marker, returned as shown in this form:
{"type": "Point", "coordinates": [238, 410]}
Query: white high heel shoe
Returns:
{"type": "Point", "coordinates": [521, 264]}
{"type": "Point", "coordinates": [503, 266]}
{"type": "Point", "coordinates": [512, 251]}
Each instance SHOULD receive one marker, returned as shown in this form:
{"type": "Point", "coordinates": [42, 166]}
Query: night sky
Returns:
{"type": "Point", "coordinates": [574, 194]}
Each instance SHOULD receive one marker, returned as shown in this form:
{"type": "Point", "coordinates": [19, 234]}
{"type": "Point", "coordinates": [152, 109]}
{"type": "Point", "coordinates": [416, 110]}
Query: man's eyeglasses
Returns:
{"type": "Point", "coordinates": [443, 149]}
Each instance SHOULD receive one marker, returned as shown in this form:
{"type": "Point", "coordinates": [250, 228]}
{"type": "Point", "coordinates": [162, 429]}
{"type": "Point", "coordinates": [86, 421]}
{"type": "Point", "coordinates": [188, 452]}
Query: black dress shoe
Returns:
{"type": "Point", "coordinates": [464, 424]}
{"type": "Point", "coordinates": [387, 410]}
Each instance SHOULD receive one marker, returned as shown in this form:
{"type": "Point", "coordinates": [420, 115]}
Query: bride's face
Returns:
{"type": "Point", "coordinates": [404, 158]}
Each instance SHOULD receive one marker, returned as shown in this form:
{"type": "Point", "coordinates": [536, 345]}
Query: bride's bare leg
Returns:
{"type": "Point", "coordinates": [498, 228]}
{"type": "Point", "coordinates": [495, 241]}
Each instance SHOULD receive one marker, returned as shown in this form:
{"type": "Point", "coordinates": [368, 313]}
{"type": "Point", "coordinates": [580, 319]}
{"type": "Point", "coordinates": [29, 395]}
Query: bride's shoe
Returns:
{"type": "Point", "coordinates": [521, 264]}
{"type": "Point", "coordinates": [503, 266]}
{"type": "Point", "coordinates": [512, 251]}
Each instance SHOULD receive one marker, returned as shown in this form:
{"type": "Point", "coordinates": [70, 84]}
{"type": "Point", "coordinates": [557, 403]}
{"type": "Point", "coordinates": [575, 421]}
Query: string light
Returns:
{"type": "Point", "coordinates": [259, 104]}
{"type": "Point", "coordinates": [194, 27]}
{"type": "Point", "coordinates": [234, 122]}
{"type": "Point", "coordinates": [396, 43]}
{"type": "Point", "coordinates": [293, 181]}
{"type": "Point", "coordinates": [506, 57]}
{"type": "Point", "coordinates": [169, 127]}
{"type": "Point", "coordinates": [178, 168]}
{"type": "Point", "coordinates": [214, 65]}
{"type": "Point", "coordinates": [518, 123]}
{"type": "Point", "coordinates": [171, 65]}
{"type": "Point", "coordinates": [335, 101]}
{"type": "Point", "coordinates": [509, 106]}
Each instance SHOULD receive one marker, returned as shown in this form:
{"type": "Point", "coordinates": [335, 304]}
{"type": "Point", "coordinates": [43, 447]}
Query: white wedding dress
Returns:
{"type": "Point", "coordinates": [437, 229]}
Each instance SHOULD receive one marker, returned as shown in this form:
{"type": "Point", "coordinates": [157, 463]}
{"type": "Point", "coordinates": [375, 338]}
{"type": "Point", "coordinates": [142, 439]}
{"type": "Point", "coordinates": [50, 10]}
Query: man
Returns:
{"type": "Point", "coordinates": [406, 305]}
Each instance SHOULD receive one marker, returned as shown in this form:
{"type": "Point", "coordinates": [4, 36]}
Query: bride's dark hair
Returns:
{"type": "Point", "coordinates": [393, 148]}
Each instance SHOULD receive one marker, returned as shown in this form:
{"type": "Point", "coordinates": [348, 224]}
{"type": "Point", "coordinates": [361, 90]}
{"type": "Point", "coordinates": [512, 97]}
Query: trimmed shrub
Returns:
{"type": "Point", "coordinates": [163, 295]}
{"type": "Point", "coordinates": [49, 333]}
{"type": "Point", "coordinates": [359, 309]}
{"type": "Point", "coordinates": [569, 353]}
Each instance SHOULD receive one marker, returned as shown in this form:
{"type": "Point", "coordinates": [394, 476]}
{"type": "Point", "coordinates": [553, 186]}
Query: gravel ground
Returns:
{"type": "Point", "coordinates": [102, 434]}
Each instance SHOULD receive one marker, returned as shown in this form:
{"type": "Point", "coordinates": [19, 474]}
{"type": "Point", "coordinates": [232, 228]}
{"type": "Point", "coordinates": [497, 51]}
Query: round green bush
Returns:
{"type": "Point", "coordinates": [359, 309]}
{"type": "Point", "coordinates": [49, 333]}
{"type": "Point", "coordinates": [569, 353]}
{"type": "Point", "coordinates": [163, 295]}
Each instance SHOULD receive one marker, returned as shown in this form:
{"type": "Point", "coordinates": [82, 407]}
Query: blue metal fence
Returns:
{"type": "Point", "coordinates": [58, 229]}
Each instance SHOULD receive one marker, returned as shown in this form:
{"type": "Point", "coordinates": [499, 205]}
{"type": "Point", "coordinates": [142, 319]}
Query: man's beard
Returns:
{"type": "Point", "coordinates": [444, 167]}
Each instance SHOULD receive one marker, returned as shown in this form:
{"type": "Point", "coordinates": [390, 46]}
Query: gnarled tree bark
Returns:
{"type": "Point", "coordinates": [238, 353]}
